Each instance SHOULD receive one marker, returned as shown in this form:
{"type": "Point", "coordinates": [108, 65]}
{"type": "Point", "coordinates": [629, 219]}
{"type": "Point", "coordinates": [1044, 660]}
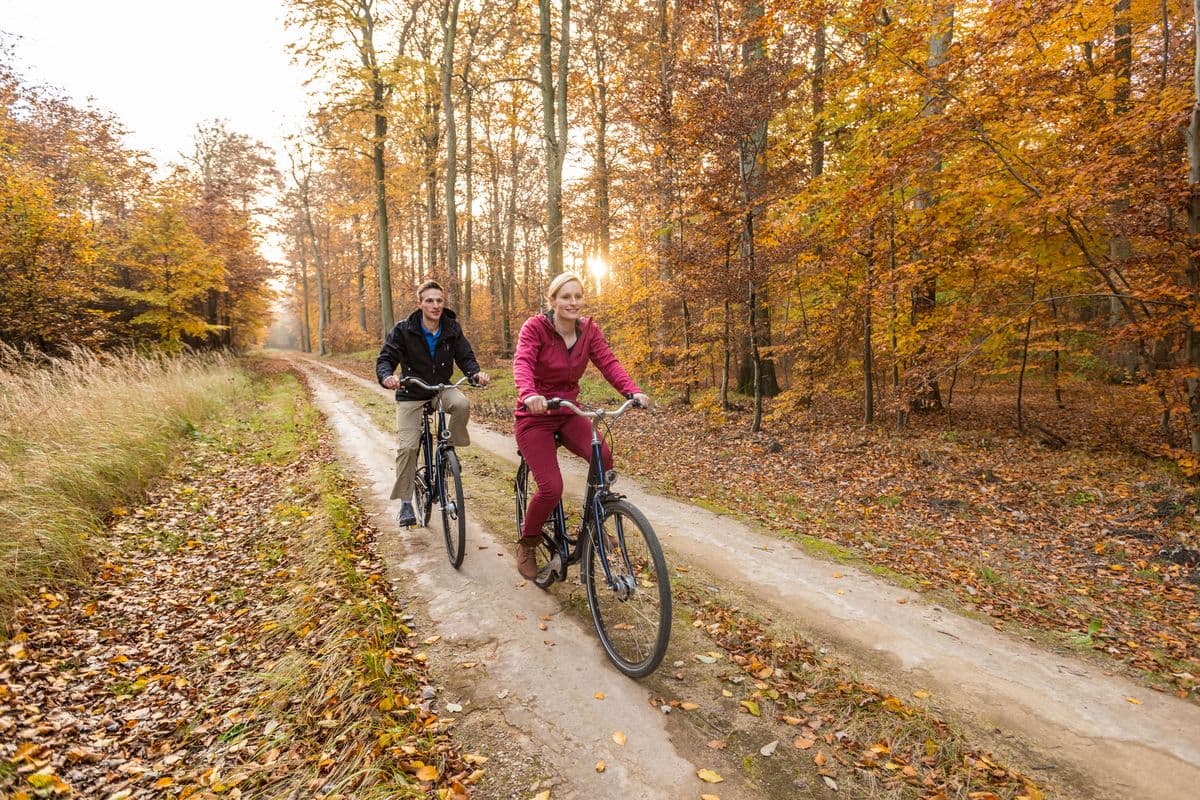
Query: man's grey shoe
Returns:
{"type": "Point", "coordinates": [407, 518]}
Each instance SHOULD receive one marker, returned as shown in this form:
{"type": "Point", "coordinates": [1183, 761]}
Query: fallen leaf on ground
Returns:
{"type": "Point", "coordinates": [601, 766]}
{"type": "Point", "coordinates": [619, 738]}
{"type": "Point", "coordinates": [708, 776]}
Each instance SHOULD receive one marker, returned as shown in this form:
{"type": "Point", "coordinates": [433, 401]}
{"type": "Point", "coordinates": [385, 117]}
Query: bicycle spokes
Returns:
{"type": "Point", "coordinates": [628, 589]}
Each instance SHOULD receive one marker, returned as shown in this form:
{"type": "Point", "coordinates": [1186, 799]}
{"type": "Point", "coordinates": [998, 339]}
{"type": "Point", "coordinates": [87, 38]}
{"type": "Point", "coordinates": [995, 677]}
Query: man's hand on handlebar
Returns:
{"type": "Point", "coordinates": [481, 378]}
{"type": "Point", "coordinates": [391, 382]}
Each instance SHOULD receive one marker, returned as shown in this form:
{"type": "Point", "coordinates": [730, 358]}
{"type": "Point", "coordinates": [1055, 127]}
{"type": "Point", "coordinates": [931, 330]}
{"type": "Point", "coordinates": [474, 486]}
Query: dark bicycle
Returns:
{"type": "Point", "coordinates": [624, 572]}
{"type": "Point", "coordinates": [439, 476]}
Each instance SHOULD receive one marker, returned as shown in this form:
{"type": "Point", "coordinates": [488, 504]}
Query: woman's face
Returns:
{"type": "Point", "coordinates": [568, 303]}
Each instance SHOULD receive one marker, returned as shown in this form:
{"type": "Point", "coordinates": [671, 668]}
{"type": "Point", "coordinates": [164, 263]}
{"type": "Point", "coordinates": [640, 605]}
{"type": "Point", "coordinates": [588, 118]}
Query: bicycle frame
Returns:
{"type": "Point", "coordinates": [432, 457]}
{"type": "Point", "coordinates": [598, 492]}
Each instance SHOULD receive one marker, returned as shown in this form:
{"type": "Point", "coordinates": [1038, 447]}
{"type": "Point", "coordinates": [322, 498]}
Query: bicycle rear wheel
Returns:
{"type": "Point", "coordinates": [549, 568]}
{"type": "Point", "coordinates": [633, 616]}
{"type": "Point", "coordinates": [454, 511]}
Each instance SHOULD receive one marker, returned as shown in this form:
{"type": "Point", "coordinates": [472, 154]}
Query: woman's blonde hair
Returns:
{"type": "Point", "coordinates": [561, 280]}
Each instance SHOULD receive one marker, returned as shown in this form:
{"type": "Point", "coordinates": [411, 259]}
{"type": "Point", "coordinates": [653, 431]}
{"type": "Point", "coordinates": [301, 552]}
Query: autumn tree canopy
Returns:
{"type": "Point", "coordinates": [97, 250]}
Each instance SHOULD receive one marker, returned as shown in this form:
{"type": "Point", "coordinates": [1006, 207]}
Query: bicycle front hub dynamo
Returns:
{"type": "Point", "coordinates": [624, 587]}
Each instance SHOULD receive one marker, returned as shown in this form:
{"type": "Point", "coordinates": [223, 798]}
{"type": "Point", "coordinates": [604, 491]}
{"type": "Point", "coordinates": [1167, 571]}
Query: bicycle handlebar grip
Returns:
{"type": "Point", "coordinates": [555, 402]}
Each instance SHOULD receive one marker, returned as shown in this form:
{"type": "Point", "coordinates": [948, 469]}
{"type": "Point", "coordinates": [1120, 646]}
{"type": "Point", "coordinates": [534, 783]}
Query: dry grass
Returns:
{"type": "Point", "coordinates": [79, 436]}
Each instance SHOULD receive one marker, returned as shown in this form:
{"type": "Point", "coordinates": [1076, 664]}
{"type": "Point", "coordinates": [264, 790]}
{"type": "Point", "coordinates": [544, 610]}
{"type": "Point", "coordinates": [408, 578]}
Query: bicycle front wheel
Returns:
{"type": "Point", "coordinates": [633, 614]}
{"type": "Point", "coordinates": [454, 511]}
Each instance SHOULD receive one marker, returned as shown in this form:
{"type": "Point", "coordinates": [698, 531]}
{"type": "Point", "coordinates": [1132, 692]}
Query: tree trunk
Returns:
{"type": "Point", "coordinates": [319, 264]}
{"type": "Point", "coordinates": [1192, 343]}
{"type": "Point", "coordinates": [1025, 353]}
{"type": "Point", "coordinates": [469, 232]}
{"type": "Point", "coordinates": [868, 358]}
{"type": "Point", "coordinates": [727, 351]}
{"type": "Point", "coordinates": [360, 274]}
{"type": "Point", "coordinates": [305, 330]}
{"type": "Point", "coordinates": [378, 141]}
{"type": "Point", "coordinates": [509, 287]}
{"type": "Point", "coordinates": [927, 395]}
{"type": "Point", "coordinates": [432, 221]}
{"type": "Point", "coordinates": [817, 156]}
{"type": "Point", "coordinates": [599, 11]}
{"type": "Point", "coordinates": [449, 30]}
{"type": "Point", "coordinates": [554, 124]}
{"type": "Point", "coordinates": [1119, 248]}
{"type": "Point", "coordinates": [901, 408]}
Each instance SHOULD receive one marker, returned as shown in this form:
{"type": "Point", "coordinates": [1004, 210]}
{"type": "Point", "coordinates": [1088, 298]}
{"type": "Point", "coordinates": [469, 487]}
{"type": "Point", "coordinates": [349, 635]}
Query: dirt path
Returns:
{"type": "Point", "coordinates": [1077, 724]}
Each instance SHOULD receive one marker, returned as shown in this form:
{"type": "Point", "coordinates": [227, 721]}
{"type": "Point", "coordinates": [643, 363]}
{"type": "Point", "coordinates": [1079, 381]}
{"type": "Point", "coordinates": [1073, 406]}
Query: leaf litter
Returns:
{"type": "Point", "coordinates": [238, 638]}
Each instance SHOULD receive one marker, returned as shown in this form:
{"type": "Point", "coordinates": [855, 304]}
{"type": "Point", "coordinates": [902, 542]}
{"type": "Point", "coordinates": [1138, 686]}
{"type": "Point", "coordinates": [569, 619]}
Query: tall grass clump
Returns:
{"type": "Point", "coordinates": [80, 435]}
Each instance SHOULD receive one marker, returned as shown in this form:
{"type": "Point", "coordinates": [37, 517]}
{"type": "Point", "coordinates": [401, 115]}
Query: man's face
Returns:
{"type": "Point", "coordinates": [431, 305]}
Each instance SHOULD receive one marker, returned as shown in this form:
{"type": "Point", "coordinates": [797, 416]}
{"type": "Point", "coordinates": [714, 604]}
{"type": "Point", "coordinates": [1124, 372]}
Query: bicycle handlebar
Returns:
{"type": "Point", "coordinates": [599, 413]}
{"type": "Point", "coordinates": [437, 387]}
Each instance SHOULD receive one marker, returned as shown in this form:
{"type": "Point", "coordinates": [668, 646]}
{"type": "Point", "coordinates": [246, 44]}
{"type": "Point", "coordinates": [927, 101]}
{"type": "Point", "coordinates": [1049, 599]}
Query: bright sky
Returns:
{"type": "Point", "coordinates": [163, 67]}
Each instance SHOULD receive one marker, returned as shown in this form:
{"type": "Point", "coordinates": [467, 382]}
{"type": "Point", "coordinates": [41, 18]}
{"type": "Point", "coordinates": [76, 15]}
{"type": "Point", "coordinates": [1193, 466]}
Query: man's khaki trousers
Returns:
{"type": "Point", "coordinates": [408, 426]}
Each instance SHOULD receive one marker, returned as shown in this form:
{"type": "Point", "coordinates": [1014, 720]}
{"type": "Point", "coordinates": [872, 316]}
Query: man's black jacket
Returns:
{"type": "Point", "coordinates": [405, 346]}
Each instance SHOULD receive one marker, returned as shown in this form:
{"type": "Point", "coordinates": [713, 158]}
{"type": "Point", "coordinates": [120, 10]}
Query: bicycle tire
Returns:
{"type": "Point", "coordinates": [523, 489]}
{"type": "Point", "coordinates": [454, 512]}
{"type": "Point", "coordinates": [633, 619]}
{"type": "Point", "coordinates": [422, 496]}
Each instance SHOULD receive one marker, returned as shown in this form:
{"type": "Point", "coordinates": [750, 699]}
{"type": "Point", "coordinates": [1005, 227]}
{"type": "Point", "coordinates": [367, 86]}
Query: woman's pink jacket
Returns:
{"type": "Point", "coordinates": [543, 365]}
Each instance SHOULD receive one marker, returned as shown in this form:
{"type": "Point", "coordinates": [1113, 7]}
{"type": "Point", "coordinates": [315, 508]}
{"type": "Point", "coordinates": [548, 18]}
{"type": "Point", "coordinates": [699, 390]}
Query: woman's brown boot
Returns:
{"type": "Point", "coordinates": [527, 556]}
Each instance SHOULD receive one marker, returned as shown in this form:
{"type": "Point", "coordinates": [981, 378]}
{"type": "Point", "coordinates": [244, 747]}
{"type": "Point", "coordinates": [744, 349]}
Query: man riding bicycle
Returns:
{"type": "Point", "coordinates": [427, 345]}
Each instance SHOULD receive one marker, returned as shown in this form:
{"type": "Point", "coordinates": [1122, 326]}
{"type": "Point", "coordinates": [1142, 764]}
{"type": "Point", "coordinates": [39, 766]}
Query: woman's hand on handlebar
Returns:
{"type": "Point", "coordinates": [642, 399]}
{"type": "Point", "coordinates": [536, 404]}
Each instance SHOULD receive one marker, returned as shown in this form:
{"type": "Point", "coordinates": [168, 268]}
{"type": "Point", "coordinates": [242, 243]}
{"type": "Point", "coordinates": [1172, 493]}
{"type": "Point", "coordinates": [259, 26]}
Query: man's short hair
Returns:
{"type": "Point", "coordinates": [426, 286]}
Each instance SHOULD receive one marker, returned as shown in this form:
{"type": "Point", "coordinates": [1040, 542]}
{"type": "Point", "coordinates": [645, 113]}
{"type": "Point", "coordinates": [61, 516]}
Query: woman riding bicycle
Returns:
{"type": "Point", "coordinates": [553, 350]}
